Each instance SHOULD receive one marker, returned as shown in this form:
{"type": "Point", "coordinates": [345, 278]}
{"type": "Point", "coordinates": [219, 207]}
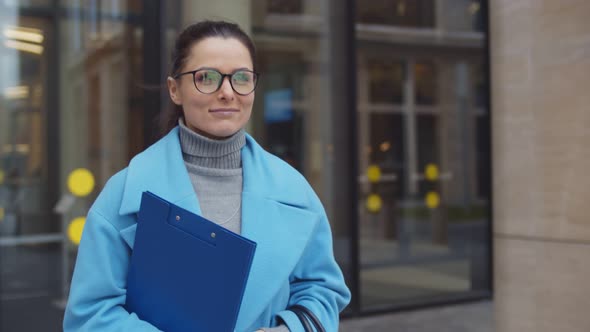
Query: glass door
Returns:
{"type": "Point", "coordinates": [423, 220]}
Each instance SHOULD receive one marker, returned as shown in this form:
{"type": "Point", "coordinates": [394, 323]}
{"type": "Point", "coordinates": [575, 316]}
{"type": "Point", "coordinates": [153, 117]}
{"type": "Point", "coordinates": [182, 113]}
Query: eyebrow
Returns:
{"type": "Point", "coordinates": [235, 70]}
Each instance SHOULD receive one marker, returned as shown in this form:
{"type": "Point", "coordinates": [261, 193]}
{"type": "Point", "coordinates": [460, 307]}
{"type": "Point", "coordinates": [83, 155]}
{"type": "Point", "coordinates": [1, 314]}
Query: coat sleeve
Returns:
{"type": "Point", "coordinates": [98, 289]}
{"type": "Point", "coordinates": [317, 282]}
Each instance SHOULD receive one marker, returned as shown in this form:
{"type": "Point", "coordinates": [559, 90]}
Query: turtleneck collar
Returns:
{"type": "Point", "coordinates": [206, 152]}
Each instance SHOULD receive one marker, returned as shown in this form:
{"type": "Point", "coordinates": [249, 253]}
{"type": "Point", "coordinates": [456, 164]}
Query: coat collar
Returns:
{"type": "Point", "coordinates": [161, 170]}
{"type": "Point", "coordinates": [275, 211]}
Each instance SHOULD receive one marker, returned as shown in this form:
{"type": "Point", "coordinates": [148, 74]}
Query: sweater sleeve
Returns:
{"type": "Point", "coordinates": [98, 288]}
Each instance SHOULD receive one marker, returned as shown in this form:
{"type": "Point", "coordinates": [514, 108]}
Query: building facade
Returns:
{"type": "Point", "coordinates": [382, 105]}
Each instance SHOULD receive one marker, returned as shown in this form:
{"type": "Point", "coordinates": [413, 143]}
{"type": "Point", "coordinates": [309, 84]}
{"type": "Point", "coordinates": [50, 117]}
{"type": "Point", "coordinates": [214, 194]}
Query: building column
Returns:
{"type": "Point", "coordinates": [540, 63]}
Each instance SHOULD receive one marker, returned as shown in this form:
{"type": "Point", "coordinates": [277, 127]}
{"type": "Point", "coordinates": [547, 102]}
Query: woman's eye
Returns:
{"type": "Point", "coordinates": [205, 78]}
{"type": "Point", "coordinates": [241, 77]}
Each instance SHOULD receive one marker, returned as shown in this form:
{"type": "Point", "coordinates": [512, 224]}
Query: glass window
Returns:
{"type": "Point", "coordinates": [101, 95]}
{"type": "Point", "coordinates": [298, 114]}
{"type": "Point", "coordinates": [461, 15]}
{"type": "Point", "coordinates": [284, 106]}
{"type": "Point", "coordinates": [422, 124]}
{"type": "Point", "coordinates": [386, 81]}
{"type": "Point", "coordinates": [27, 4]}
{"type": "Point", "coordinates": [428, 148]}
{"type": "Point", "coordinates": [479, 81]}
{"type": "Point", "coordinates": [101, 110]}
{"type": "Point", "coordinates": [425, 73]}
{"type": "Point", "coordinates": [403, 13]}
{"type": "Point", "coordinates": [285, 6]}
{"type": "Point", "coordinates": [30, 234]}
{"type": "Point", "coordinates": [387, 151]}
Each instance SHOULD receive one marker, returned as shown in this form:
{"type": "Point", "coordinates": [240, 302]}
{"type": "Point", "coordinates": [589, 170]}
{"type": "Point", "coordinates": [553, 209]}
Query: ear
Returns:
{"type": "Point", "coordinates": [174, 91]}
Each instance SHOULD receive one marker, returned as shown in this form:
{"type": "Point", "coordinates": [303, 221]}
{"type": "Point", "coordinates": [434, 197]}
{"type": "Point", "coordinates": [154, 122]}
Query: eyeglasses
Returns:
{"type": "Point", "coordinates": [208, 80]}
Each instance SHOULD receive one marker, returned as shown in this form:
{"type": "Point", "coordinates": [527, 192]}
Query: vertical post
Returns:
{"type": "Point", "coordinates": [153, 31]}
{"type": "Point", "coordinates": [343, 69]}
{"type": "Point", "coordinates": [410, 130]}
{"type": "Point", "coordinates": [53, 144]}
{"type": "Point", "coordinates": [464, 117]}
{"type": "Point", "coordinates": [411, 139]}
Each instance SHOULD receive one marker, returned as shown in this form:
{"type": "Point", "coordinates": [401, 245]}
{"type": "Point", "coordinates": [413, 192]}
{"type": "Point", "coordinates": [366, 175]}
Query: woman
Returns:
{"type": "Point", "coordinates": [207, 164]}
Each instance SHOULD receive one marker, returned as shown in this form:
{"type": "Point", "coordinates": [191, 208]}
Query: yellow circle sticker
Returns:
{"type": "Point", "coordinates": [75, 230]}
{"type": "Point", "coordinates": [81, 182]}
{"type": "Point", "coordinates": [373, 173]}
{"type": "Point", "coordinates": [1, 176]}
{"type": "Point", "coordinates": [431, 172]}
{"type": "Point", "coordinates": [432, 200]}
{"type": "Point", "coordinates": [374, 203]}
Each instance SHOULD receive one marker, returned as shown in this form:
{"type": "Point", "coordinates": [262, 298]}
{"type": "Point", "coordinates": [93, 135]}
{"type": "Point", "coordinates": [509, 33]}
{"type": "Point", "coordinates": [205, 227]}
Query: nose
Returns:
{"type": "Point", "coordinates": [226, 91]}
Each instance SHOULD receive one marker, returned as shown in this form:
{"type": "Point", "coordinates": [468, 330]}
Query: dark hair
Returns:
{"type": "Point", "coordinates": [187, 38]}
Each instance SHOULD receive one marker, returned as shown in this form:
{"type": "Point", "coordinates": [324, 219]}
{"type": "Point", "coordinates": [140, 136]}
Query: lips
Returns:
{"type": "Point", "coordinates": [224, 113]}
{"type": "Point", "coordinates": [224, 110]}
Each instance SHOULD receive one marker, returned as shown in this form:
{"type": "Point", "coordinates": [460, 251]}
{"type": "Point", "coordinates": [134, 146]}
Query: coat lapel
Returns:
{"type": "Point", "coordinates": [160, 169]}
{"type": "Point", "coordinates": [272, 218]}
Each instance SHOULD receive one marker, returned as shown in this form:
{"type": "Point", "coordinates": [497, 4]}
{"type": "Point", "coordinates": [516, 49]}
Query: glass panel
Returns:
{"type": "Point", "coordinates": [424, 181]}
{"type": "Point", "coordinates": [479, 79]}
{"type": "Point", "coordinates": [461, 15]}
{"type": "Point", "coordinates": [23, 110]}
{"type": "Point", "coordinates": [283, 83]}
{"type": "Point", "coordinates": [29, 232]}
{"type": "Point", "coordinates": [100, 61]}
{"type": "Point", "coordinates": [26, 4]}
{"type": "Point", "coordinates": [101, 109]}
{"type": "Point", "coordinates": [295, 116]}
{"type": "Point", "coordinates": [386, 81]}
{"type": "Point", "coordinates": [285, 6]}
{"type": "Point", "coordinates": [403, 13]}
{"type": "Point", "coordinates": [425, 74]}
{"type": "Point", "coordinates": [428, 148]}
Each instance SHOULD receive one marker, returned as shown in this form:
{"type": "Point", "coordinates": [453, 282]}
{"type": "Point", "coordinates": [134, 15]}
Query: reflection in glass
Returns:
{"type": "Point", "coordinates": [23, 109]}
{"type": "Point", "coordinates": [428, 149]}
{"type": "Point", "coordinates": [298, 113]}
{"type": "Point", "coordinates": [403, 13]}
{"type": "Point", "coordinates": [101, 110]}
{"type": "Point", "coordinates": [425, 74]}
{"type": "Point", "coordinates": [285, 6]}
{"type": "Point", "coordinates": [100, 58]}
{"type": "Point", "coordinates": [426, 239]}
{"type": "Point", "coordinates": [386, 81]}
{"type": "Point", "coordinates": [284, 106]}
{"type": "Point", "coordinates": [461, 15]}
{"type": "Point", "coordinates": [29, 231]}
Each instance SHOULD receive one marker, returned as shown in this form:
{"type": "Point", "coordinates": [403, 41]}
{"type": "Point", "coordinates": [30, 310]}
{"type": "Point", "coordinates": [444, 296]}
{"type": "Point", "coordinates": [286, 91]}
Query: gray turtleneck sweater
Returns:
{"type": "Point", "coordinates": [215, 170]}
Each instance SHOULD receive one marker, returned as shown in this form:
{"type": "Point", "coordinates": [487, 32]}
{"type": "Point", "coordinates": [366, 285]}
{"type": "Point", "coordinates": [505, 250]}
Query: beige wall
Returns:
{"type": "Point", "coordinates": [540, 57]}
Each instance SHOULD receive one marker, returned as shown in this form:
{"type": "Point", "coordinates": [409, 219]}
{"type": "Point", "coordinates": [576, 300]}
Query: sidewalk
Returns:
{"type": "Point", "coordinates": [472, 317]}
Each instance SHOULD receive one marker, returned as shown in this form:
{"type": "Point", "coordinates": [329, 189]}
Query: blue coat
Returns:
{"type": "Point", "coordinates": [294, 261]}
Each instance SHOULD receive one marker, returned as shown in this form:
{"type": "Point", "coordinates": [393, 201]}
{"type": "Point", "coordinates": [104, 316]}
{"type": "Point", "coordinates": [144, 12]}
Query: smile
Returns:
{"type": "Point", "coordinates": [224, 110]}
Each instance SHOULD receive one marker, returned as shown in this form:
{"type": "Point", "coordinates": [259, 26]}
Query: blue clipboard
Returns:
{"type": "Point", "coordinates": [186, 272]}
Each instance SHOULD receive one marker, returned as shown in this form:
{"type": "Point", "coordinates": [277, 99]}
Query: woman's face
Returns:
{"type": "Point", "coordinates": [221, 113]}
